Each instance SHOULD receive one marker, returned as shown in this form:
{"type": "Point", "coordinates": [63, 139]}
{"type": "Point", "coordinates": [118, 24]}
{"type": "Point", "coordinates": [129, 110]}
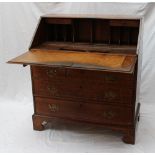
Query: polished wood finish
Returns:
{"type": "Point", "coordinates": [96, 113]}
{"type": "Point", "coordinates": [124, 23]}
{"type": "Point", "coordinates": [105, 76]}
{"type": "Point", "coordinates": [87, 60]}
{"type": "Point", "coordinates": [85, 69]}
{"type": "Point", "coordinates": [63, 83]}
{"type": "Point", "coordinates": [58, 21]}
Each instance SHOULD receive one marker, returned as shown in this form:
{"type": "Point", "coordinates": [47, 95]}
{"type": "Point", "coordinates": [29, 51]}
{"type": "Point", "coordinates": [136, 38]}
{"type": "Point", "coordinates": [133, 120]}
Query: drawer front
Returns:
{"type": "Point", "coordinates": [48, 73]}
{"type": "Point", "coordinates": [86, 112]}
{"type": "Point", "coordinates": [76, 89]}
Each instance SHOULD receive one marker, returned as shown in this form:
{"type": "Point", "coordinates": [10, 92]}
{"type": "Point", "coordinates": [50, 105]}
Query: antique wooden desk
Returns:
{"type": "Point", "coordinates": [85, 69]}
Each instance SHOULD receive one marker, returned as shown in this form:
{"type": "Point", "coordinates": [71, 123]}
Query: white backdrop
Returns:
{"type": "Point", "coordinates": [17, 25]}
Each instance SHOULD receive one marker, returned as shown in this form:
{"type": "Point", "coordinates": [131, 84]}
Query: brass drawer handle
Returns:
{"type": "Point", "coordinates": [109, 95]}
{"type": "Point", "coordinates": [52, 90]}
{"type": "Point", "coordinates": [109, 114]}
{"type": "Point", "coordinates": [53, 107]}
{"type": "Point", "coordinates": [51, 72]}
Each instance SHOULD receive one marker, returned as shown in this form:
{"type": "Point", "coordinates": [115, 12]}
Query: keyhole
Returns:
{"type": "Point", "coordinates": [80, 87]}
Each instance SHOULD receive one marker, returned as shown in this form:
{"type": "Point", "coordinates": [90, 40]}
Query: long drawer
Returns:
{"type": "Point", "coordinates": [82, 90]}
{"type": "Point", "coordinates": [86, 112]}
{"type": "Point", "coordinates": [47, 73]}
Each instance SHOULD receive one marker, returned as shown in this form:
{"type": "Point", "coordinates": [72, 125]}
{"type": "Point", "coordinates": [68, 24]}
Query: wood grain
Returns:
{"type": "Point", "coordinates": [84, 111]}
{"type": "Point", "coordinates": [84, 68]}
{"type": "Point", "coordinates": [87, 47]}
{"type": "Point", "coordinates": [77, 59]}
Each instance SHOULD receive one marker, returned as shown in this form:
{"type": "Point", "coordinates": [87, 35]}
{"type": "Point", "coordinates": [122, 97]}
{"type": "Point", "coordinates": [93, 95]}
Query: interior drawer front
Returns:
{"type": "Point", "coordinates": [86, 112]}
{"type": "Point", "coordinates": [47, 73]}
{"type": "Point", "coordinates": [128, 23]}
{"type": "Point", "coordinates": [82, 90]}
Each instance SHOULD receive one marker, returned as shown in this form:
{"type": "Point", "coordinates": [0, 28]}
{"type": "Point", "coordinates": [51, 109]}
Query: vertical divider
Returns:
{"type": "Point", "coordinates": [92, 31]}
{"type": "Point", "coordinates": [110, 34]}
{"type": "Point", "coordinates": [47, 32]}
{"type": "Point", "coordinates": [55, 32]}
{"type": "Point", "coordinates": [64, 32]}
{"type": "Point", "coordinates": [129, 37]}
{"type": "Point", "coordinates": [73, 31]}
{"type": "Point", "coordinates": [119, 37]}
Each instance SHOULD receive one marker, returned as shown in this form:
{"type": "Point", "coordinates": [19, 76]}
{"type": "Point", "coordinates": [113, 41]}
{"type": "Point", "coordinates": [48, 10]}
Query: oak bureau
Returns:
{"type": "Point", "coordinates": [84, 68]}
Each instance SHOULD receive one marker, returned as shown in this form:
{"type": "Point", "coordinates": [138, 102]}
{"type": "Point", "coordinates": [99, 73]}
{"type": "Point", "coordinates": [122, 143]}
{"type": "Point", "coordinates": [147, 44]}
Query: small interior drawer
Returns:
{"type": "Point", "coordinates": [127, 23]}
{"type": "Point", "coordinates": [58, 21]}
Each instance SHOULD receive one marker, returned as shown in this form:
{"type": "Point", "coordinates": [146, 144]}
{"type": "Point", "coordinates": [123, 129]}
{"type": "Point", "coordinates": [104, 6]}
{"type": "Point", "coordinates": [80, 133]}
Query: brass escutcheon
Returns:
{"type": "Point", "coordinates": [53, 107]}
{"type": "Point", "coordinates": [108, 114]}
{"type": "Point", "coordinates": [52, 90]}
{"type": "Point", "coordinates": [111, 78]}
{"type": "Point", "coordinates": [110, 95]}
{"type": "Point", "coordinates": [51, 72]}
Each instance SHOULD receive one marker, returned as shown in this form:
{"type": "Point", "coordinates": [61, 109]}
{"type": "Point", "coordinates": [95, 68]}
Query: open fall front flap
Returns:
{"type": "Point", "coordinates": [86, 60]}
